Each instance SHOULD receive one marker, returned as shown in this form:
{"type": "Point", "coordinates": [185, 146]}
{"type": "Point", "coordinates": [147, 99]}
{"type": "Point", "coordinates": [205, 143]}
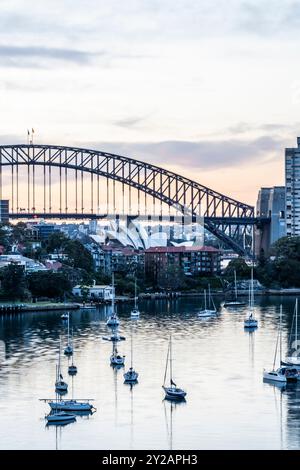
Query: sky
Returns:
{"type": "Point", "coordinates": [209, 89]}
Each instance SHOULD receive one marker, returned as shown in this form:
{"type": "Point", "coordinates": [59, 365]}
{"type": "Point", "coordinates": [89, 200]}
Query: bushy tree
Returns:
{"type": "Point", "coordinates": [13, 282]}
{"type": "Point", "coordinates": [243, 271]}
{"type": "Point", "coordinates": [48, 284]}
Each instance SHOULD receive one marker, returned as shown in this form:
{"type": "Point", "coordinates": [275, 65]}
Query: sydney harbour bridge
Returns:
{"type": "Point", "coordinates": [59, 182]}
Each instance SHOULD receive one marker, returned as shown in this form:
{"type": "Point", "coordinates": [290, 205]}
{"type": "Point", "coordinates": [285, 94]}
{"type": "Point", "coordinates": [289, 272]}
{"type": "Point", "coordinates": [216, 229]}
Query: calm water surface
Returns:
{"type": "Point", "coordinates": [219, 364]}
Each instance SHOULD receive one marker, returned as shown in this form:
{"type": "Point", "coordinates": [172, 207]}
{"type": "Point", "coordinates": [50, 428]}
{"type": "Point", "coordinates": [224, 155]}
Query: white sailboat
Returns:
{"type": "Point", "coordinates": [131, 376]}
{"type": "Point", "coordinates": [251, 322]}
{"type": "Point", "coordinates": [235, 302]}
{"type": "Point", "coordinates": [72, 369]}
{"type": "Point", "coordinates": [135, 313]}
{"type": "Point", "coordinates": [60, 385]}
{"type": "Point", "coordinates": [279, 374]}
{"type": "Point", "coordinates": [293, 360]}
{"type": "Point", "coordinates": [113, 320]}
{"type": "Point", "coordinates": [209, 310]}
{"type": "Point", "coordinates": [172, 391]}
{"type": "Point", "coordinates": [68, 349]}
{"type": "Point", "coordinates": [65, 316]}
{"type": "Point", "coordinates": [116, 359]}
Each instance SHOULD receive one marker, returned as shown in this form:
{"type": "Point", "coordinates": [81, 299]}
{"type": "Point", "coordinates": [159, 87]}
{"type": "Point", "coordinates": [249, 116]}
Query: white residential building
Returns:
{"type": "Point", "coordinates": [94, 292]}
{"type": "Point", "coordinates": [292, 182]}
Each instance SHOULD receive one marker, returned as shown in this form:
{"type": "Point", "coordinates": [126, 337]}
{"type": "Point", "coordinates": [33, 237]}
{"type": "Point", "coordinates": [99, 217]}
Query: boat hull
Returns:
{"type": "Point", "coordinates": [70, 405]}
{"type": "Point", "coordinates": [250, 324]}
{"type": "Point", "coordinates": [207, 313]}
{"type": "Point", "coordinates": [60, 417]}
{"type": "Point", "coordinates": [131, 377]}
{"type": "Point", "coordinates": [174, 393]}
{"type": "Point", "coordinates": [274, 377]}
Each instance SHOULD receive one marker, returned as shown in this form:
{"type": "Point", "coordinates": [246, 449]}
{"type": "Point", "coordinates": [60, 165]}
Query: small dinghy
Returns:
{"type": "Point", "coordinates": [60, 417]}
{"type": "Point", "coordinates": [172, 392]}
{"type": "Point", "coordinates": [251, 322]}
{"type": "Point", "coordinates": [114, 338]}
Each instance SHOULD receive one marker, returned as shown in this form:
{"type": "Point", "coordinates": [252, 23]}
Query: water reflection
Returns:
{"type": "Point", "coordinates": [217, 362]}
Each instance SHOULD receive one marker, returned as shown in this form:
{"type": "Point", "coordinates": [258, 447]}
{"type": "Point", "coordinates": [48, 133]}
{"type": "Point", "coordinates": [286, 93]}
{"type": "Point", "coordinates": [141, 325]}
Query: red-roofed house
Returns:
{"type": "Point", "coordinates": [193, 260]}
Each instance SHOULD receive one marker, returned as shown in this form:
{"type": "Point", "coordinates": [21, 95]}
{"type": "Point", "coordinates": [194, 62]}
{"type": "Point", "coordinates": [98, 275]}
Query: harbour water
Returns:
{"type": "Point", "coordinates": [218, 363]}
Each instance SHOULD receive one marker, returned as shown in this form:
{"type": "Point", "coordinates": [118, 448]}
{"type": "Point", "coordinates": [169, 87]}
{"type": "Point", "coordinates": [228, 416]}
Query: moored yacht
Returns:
{"type": "Point", "coordinates": [172, 392]}
{"type": "Point", "coordinates": [251, 322]}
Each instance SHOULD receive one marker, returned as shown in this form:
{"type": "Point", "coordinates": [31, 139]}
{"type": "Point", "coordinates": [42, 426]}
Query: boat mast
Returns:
{"type": "Point", "coordinates": [280, 333]}
{"type": "Point", "coordinates": [204, 299]}
{"type": "Point", "coordinates": [167, 361]}
{"type": "Point", "coordinates": [235, 286]}
{"type": "Point", "coordinates": [296, 323]}
{"type": "Point", "coordinates": [131, 349]}
{"type": "Point", "coordinates": [208, 295]}
{"type": "Point", "coordinates": [113, 294]}
{"type": "Point", "coordinates": [171, 372]}
{"type": "Point", "coordinates": [135, 300]}
{"type": "Point", "coordinates": [68, 330]}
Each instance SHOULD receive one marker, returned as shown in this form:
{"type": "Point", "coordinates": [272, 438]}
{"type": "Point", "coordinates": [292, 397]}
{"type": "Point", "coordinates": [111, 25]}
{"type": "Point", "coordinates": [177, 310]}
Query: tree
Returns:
{"type": "Point", "coordinates": [48, 284]}
{"type": "Point", "coordinates": [13, 282]}
{"type": "Point", "coordinates": [78, 255]}
{"type": "Point", "coordinates": [239, 265]}
{"type": "Point", "coordinates": [171, 278]}
{"type": "Point", "coordinates": [55, 242]}
{"type": "Point", "coordinates": [282, 267]}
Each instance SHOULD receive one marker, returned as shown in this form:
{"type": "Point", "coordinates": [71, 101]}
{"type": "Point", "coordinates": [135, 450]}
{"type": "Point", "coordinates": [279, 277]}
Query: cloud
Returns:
{"type": "Point", "coordinates": [205, 155]}
{"type": "Point", "coordinates": [130, 121]}
{"type": "Point", "coordinates": [34, 56]}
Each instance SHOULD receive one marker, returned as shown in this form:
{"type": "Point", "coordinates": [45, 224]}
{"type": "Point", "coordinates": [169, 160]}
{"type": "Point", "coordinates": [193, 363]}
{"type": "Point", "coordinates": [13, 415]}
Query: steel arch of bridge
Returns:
{"type": "Point", "coordinates": [223, 215]}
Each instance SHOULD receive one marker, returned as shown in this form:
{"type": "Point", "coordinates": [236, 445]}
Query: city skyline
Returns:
{"type": "Point", "coordinates": [208, 91]}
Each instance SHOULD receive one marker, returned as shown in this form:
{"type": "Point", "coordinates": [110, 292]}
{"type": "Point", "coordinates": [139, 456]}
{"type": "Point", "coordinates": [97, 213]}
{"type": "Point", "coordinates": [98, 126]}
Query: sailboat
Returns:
{"type": "Point", "coordinates": [116, 359]}
{"type": "Point", "coordinates": [293, 361]}
{"type": "Point", "coordinates": [172, 392]}
{"type": "Point", "coordinates": [235, 302]}
{"type": "Point", "coordinates": [211, 309]}
{"type": "Point", "coordinates": [76, 406]}
{"type": "Point", "coordinates": [131, 376]}
{"type": "Point", "coordinates": [251, 321]}
{"type": "Point", "coordinates": [72, 369]}
{"type": "Point", "coordinates": [58, 416]}
{"type": "Point", "coordinates": [113, 320]}
{"type": "Point", "coordinates": [68, 349]}
{"type": "Point", "coordinates": [135, 313]}
{"type": "Point", "coordinates": [276, 375]}
{"type": "Point", "coordinates": [60, 385]}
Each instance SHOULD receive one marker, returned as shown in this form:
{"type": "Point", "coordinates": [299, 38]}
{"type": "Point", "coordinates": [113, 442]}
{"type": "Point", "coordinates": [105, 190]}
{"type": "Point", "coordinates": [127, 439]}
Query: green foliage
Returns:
{"type": "Point", "coordinates": [55, 242]}
{"type": "Point", "coordinates": [282, 267]}
{"type": "Point", "coordinates": [172, 278]}
{"type": "Point", "coordinates": [48, 284]}
{"type": "Point", "coordinates": [243, 271]}
{"type": "Point", "coordinates": [78, 255]}
{"type": "Point", "coordinates": [13, 283]}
